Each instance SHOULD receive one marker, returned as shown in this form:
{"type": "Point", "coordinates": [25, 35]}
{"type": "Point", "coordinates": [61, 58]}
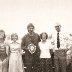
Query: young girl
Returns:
{"type": "Point", "coordinates": [45, 62]}
{"type": "Point", "coordinates": [15, 59]}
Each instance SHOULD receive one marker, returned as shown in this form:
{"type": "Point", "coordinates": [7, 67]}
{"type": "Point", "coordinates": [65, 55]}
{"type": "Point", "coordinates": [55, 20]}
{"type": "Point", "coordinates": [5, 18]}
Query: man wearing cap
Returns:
{"type": "Point", "coordinates": [59, 49]}
{"type": "Point", "coordinates": [30, 46]}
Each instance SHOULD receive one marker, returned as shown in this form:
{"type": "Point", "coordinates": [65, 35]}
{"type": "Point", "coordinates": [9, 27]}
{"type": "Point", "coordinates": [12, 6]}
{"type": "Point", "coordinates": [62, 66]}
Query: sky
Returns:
{"type": "Point", "coordinates": [15, 15]}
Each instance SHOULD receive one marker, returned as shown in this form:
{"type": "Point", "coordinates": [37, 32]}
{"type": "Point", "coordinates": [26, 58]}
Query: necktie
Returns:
{"type": "Point", "coordinates": [58, 40]}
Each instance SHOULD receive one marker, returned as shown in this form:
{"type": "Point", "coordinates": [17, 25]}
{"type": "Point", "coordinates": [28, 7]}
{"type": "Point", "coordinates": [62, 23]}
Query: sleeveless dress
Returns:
{"type": "Point", "coordinates": [15, 59]}
{"type": "Point", "coordinates": [3, 58]}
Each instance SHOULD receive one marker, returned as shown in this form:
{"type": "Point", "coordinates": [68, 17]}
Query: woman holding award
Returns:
{"type": "Point", "coordinates": [30, 46]}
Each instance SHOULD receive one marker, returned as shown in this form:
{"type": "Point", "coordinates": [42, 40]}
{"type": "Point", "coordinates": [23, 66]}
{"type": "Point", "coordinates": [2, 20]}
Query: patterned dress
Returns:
{"type": "Point", "coordinates": [15, 60]}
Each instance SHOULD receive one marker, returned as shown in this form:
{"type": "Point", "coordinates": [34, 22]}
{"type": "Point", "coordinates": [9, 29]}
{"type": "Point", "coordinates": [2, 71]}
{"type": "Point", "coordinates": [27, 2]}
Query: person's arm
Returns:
{"type": "Point", "coordinates": [23, 43]}
{"type": "Point", "coordinates": [53, 43]}
{"type": "Point", "coordinates": [7, 49]}
{"type": "Point", "coordinates": [21, 51]}
{"type": "Point", "coordinates": [51, 48]}
{"type": "Point", "coordinates": [39, 51]}
{"type": "Point", "coordinates": [39, 38]}
{"type": "Point", "coordinates": [23, 46]}
{"type": "Point", "coordinates": [51, 51]}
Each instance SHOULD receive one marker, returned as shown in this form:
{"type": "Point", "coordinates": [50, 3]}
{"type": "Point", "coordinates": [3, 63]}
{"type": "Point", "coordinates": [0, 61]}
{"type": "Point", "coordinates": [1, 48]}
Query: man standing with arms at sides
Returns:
{"type": "Point", "coordinates": [59, 50]}
{"type": "Point", "coordinates": [30, 46]}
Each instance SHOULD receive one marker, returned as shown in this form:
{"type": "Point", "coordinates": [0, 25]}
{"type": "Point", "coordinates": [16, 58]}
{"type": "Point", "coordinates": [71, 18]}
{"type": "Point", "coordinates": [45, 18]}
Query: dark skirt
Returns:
{"type": "Point", "coordinates": [45, 65]}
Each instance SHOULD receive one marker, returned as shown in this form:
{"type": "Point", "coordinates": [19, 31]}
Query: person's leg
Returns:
{"type": "Point", "coordinates": [23, 58]}
{"type": "Point", "coordinates": [48, 65]}
{"type": "Point", "coordinates": [70, 67]}
{"type": "Point", "coordinates": [42, 65]}
{"type": "Point", "coordinates": [36, 64]}
{"type": "Point", "coordinates": [29, 68]}
{"type": "Point", "coordinates": [52, 59]}
{"type": "Point", "coordinates": [56, 62]}
{"type": "Point", "coordinates": [28, 63]}
{"type": "Point", "coordinates": [63, 64]}
{"type": "Point", "coordinates": [52, 62]}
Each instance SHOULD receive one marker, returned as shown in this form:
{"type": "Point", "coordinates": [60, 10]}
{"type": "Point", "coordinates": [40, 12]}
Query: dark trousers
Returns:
{"type": "Point", "coordinates": [52, 59]}
{"type": "Point", "coordinates": [45, 65]}
{"type": "Point", "coordinates": [60, 64]}
{"type": "Point", "coordinates": [69, 65]}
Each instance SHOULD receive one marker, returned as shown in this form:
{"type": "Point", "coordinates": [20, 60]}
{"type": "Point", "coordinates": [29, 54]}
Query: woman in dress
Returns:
{"type": "Point", "coordinates": [3, 53]}
{"type": "Point", "coordinates": [15, 59]}
{"type": "Point", "coordinates": [45, 57]}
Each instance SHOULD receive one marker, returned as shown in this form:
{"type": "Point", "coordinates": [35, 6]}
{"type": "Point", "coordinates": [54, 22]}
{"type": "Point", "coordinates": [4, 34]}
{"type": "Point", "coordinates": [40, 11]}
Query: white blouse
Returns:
{"type": "Point", "coordinates": [44, 47]}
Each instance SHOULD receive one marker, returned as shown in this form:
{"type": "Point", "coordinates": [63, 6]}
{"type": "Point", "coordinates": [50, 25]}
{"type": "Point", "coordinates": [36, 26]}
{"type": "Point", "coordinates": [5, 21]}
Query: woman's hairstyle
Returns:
{"type": "Point", "coordinates": [42, 34]}
{"type": "Point", "coordinates": [3, 32]}
{"type": "Point", "coordinates": [14, 34]}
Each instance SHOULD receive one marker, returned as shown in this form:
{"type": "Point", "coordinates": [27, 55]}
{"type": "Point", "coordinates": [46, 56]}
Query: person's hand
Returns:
{"type": "Point", "coordinates": [22, 52]}
{"type": "Point", "coordinates": [53, 43]}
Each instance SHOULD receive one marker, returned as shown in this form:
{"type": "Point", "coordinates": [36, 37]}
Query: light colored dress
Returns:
{"type": "Point", "coordinates": [15, 60]}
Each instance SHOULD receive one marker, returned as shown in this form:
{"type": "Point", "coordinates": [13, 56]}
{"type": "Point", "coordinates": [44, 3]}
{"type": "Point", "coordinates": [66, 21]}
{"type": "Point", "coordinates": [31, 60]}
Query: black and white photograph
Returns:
{"type": "Point", "coordinates": [35, 35]}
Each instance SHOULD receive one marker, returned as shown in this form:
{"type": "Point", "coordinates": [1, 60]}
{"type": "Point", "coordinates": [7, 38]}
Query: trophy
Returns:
{"type": "Point", "coordinates": [32, 48]}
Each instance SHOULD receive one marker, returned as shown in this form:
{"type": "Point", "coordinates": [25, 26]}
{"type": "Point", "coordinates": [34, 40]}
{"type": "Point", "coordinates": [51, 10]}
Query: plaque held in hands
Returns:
{"type": "Point", "coordinates": [32, 48]}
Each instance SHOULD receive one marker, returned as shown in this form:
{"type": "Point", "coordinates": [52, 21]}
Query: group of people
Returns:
{"type": "Point", "coordinates": [35, 53]}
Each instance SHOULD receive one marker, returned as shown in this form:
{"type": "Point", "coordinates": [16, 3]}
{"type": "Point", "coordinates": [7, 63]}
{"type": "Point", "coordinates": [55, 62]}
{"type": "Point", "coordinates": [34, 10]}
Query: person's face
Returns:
{"type": "Point", "coordinates": [14, 38]}
{"type": "Point", "coordinates": [70, 34]}
{"type": "Point", "coordinates": [1, 35]}
{"type": "Point", "coordinates": [31, 29]}
{"type": "Point", "coordinates": [43, 37]}
{"type": "Point", "coordinates": [58, 28]}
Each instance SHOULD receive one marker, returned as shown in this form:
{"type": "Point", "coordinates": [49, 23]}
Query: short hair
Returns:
{"type": "Point", "coordinates": [13, 35]}
{"type": "Point", "coordinates": [58, 25]}
{"type": "Point", "coordinates": [70, 34]}
{"type": "Point", "coordinates": [2, 31]}
{"type": "Point", "coordinates": [30, 25]}
{"type": "Point", "coordinates": [42, 34]}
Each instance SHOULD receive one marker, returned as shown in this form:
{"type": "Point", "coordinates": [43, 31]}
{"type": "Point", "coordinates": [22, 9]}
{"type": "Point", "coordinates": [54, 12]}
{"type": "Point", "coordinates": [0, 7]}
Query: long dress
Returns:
{"type": "Point", "coordinates": [15, 59]}
{"type": "Point", "coordinates": [3, 58]}
{"type": "Point", "coordinates": [31, 61]}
